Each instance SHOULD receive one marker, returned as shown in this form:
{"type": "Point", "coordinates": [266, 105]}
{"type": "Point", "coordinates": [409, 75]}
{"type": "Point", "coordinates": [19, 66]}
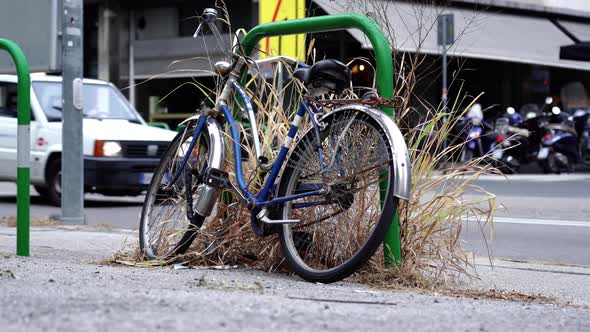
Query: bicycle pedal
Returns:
{"type": "Point", "coordinates": [216, 178]}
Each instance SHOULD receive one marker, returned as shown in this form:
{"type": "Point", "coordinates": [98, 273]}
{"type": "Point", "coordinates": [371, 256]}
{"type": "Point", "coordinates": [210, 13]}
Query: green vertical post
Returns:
{"type": "Point", "coordinates": [383, 59]}
{"type": "Point", "coordinates": [23, 198]}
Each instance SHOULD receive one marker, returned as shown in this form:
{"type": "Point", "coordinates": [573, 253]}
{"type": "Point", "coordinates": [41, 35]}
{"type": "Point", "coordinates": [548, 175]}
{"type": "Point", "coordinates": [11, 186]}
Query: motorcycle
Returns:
{"type": "Point", "coordinates": [509, 149]}
{"type": "Point", "coordinates": [585, 146]}
{"type": "Point", "coordinates": [553, 141]}
{"type": "Point", "coordinates": [581, 119]}
{"type": "Point", "coordinates": [576, 102]}
{"type": "Point", "coordinates": [559, 145]}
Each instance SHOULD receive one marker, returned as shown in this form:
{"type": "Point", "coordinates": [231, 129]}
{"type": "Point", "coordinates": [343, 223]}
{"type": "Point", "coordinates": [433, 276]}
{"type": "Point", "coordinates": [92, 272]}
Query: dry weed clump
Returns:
{"type": "Point", "coordinates": [430, 223]}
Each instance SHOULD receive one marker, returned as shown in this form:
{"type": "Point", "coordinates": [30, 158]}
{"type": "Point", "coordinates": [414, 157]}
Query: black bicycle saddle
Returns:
{"type": "Point", "coordinates": [330, 74]}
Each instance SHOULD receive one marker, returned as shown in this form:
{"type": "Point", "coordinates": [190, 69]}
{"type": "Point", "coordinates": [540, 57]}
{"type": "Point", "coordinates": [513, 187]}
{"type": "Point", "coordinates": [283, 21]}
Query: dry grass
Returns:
{"type": "Point", "coordinates": [477, 294]}
{"type": "Point", "coordinates": [10, 221]}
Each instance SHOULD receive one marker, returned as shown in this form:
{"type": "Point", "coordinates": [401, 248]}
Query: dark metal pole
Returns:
{"type": "Point", "coordinates": [131, 57]}
{"type": "Point", "coordinates": [445, 90]}
{"type": "Point", "coordinates": [72, 162]}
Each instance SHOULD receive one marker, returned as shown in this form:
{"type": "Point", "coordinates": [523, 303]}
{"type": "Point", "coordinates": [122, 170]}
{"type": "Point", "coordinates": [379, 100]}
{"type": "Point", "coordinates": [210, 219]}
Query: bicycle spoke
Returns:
{"type": "Point", "coordinates": [324, 218]}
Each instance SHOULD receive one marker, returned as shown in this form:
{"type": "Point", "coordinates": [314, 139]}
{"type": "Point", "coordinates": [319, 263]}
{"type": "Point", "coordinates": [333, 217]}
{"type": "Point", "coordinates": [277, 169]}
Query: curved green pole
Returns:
{"type": "Point", "coordinates": [383, 58]}
{"type": "Point", "coordinates": [23, 158]}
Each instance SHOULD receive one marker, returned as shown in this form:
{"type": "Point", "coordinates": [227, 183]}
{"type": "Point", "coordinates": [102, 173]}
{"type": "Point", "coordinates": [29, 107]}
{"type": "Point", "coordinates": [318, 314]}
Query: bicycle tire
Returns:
{"type": "Point", "coordinates": [363, 252]}
{"type": "Point", "coordinates": [188, 229]}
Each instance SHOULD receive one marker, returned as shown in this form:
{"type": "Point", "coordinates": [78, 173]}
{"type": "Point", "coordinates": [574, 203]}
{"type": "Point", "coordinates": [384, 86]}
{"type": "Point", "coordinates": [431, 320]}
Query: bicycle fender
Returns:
{"type": "Point", "coordinates": [401, 159]}
{"type": "Point", "coordinates": [216, 137]}
{"type": "Point", "coordinates": [189, 119]}
{"type": "Point", "coordinates": [208, 194]}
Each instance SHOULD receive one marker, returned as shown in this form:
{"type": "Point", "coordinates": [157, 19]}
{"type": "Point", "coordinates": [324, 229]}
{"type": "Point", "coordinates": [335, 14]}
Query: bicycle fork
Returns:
{"type": "Point", "coordinates": [213, 178]}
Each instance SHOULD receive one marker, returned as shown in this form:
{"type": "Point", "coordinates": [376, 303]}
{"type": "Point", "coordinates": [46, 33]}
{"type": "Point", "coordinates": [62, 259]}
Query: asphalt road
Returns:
{"type": "Point", "coordinates": [120, 212]}
{"type": "Point", "coordinates": [539, 217]}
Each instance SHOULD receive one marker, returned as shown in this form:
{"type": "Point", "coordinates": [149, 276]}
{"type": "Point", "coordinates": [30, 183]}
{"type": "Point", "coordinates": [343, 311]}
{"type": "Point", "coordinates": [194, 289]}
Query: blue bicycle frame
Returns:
{"type": "Point", "coordinates": [262, 198]}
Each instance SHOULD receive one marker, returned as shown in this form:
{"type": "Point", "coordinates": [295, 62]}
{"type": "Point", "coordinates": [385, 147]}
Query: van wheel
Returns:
{"type": "Point", "coordinates": [41, 190]}
{"type": "Point", "coordinates": [53, 191]}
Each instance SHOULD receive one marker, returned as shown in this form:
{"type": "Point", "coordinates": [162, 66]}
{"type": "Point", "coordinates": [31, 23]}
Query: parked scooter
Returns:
{"type": "Point", "coordinates": [511, 144]}
{"type": "Point", "coordinates": [576, 102]}
{"type": "Point", "coordinates": [559, 144]}
{"type": "Point", "coordinates": [581, 119]}
{"type": "Point", "coordinates": [474, 130]}
{"type": "Point", "coordinates": [585, 146]}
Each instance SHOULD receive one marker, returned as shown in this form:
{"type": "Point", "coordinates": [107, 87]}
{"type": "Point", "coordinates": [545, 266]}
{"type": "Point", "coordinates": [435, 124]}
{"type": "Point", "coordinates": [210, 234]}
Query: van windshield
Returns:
{"type": "Point", "coordinates": [100, 102]}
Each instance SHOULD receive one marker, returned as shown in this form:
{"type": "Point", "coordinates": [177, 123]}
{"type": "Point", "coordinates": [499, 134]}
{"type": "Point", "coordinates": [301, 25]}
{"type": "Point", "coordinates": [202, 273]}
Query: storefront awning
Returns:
{"type": "Point", "coordinates": [478, 34]}
{"type": "Point", "coordinates": [581, 49]}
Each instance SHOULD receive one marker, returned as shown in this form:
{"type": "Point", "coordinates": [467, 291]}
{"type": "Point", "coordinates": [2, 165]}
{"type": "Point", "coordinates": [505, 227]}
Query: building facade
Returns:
{"type": "Point", "coordinates": [147, 49]}
{"type": "Point", "coordinates": [508, 49]}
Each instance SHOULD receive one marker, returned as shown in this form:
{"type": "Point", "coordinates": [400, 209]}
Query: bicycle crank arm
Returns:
{"type": "Point", "coordinates": [265, 219]}
{"type": "Point", "coordinates": [268, 221]}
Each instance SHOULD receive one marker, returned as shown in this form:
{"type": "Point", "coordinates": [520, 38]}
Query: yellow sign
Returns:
{"type": "Point", "coordinates": [280, 10]}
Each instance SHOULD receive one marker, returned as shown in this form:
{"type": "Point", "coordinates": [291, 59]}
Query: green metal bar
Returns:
{"type": "Point", "coordinates": [391, 245]}
{"type": "Point", "coordinates": [23, 198]}
{"type": "Point", "coordinates": [384, 61]}
{"type": "Point", "coordinates": [383, 54]}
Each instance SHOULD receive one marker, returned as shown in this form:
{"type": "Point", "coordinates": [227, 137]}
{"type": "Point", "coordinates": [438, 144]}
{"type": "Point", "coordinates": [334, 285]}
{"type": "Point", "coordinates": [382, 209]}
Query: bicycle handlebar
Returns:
{"type": "Point", "coordinates": [209, 17]}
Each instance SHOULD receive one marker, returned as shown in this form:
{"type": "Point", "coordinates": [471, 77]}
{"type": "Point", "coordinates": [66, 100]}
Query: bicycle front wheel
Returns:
{"type": "Point", "coordinates": [339, 231]}
{"type": "Point", "coordinates": [165, 229]}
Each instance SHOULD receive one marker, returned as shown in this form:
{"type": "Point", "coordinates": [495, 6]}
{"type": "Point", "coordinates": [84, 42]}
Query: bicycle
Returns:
{"type": "Point", "coordinates": [330, 193]}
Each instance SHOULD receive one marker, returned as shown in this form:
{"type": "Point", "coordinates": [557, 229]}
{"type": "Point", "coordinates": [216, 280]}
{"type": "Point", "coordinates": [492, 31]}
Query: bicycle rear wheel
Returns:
{"type": "Point", "coordinates": [165, 229]}
{"type": "Point", "coordinates": [339, 231]}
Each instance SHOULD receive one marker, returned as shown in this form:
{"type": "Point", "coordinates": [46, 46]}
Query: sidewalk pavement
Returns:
{"type": "Point", "coordinates": [63, 287]}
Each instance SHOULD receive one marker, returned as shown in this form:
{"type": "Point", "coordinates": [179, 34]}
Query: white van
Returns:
{"type": "Point", "coordinates": [120, 150]}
